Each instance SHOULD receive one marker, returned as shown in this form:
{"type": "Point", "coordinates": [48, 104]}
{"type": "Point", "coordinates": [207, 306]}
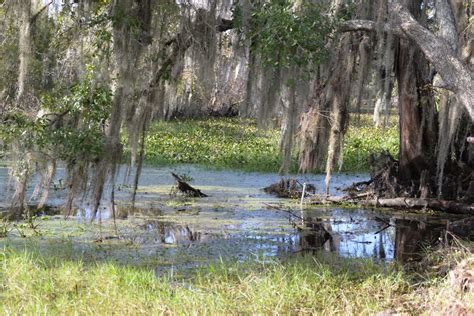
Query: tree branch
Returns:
{"type": "Point", "coordinates": [368, 26]}
{"type": "Point", "coordinates": [452, 207]}
{"type": "Point", "coordinates": [37, 14]}
{"type": "Point", "coordinates": [181, 42]}
{"type": "Point", "coordinates": [456, 74]}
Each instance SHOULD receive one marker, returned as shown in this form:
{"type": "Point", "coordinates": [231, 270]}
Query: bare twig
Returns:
{"type": "Point", "coordinates": [381, 230]}
{"type": "Point", "coordinates": [280, 209]}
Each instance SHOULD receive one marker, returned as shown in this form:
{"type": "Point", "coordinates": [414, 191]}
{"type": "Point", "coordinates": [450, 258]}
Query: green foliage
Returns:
{"type": "Point", "coordinates": [4, 228]}
{"type": "Point", "coordinates": [103, 41]}
{"type": "Point", "coordinates": [43, 30]}
{"type": "Point", "coordinates": [87, 109]}
{"type": "Point", "coordinates": [31, 285]}
{"type": "Point", "coordinates": [237, 143]}
{"type": "Point", "coordinates": [19, 127]}
{"type": "Point", "coordinates": [72, 126]}
{"type": "Point", "coordinates": [286, 34]}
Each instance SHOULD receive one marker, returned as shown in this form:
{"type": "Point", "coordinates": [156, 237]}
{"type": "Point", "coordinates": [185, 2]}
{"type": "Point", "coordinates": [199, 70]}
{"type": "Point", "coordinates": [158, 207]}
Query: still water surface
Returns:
{"type": "Point", "coordinates": [234, 222]}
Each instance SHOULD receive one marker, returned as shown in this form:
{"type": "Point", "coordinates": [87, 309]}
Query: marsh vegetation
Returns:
{"type": "Point", "coordinates": [237, 143]}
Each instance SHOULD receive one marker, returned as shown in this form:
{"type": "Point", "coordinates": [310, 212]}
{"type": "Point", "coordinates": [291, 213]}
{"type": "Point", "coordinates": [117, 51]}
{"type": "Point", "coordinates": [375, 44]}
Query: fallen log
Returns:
{"type": "Point", "coordinates": [185, 188]}
{"type": "Point", "coordinates": [407, 203]}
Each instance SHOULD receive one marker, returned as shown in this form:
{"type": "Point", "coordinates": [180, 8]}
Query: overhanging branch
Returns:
{"type": "Point", "coordinates": [225, 25]}
{"type": "Point", "coordinates": [179, 43]}
{"type": "Point", "coordinates": [456, 75]}
{"type": "Point", "coordinates": [438, 52]}
{"type": "Point", "coordinates": [368, 26]}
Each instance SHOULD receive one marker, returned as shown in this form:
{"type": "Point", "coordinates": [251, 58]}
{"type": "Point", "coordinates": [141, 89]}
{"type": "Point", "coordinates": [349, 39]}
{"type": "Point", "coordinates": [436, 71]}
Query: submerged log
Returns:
{"type": "Point", "coordinates": [407, 203]}
{"type": "Point", "coordinates": [185, 188]}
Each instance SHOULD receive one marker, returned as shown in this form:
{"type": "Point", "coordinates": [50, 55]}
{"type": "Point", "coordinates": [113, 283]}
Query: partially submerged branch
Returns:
{"type": "Point", "coordinates": [186, 188]}
{"type": "Point", "coordinates": [289, 188]}
{"type": "Point", "coordinates": [406, 203]}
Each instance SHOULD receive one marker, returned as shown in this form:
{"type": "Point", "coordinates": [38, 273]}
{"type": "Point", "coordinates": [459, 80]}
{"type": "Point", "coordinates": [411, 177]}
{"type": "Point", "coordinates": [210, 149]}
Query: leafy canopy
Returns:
{"type": "Point", "coordinates": [286, 34]}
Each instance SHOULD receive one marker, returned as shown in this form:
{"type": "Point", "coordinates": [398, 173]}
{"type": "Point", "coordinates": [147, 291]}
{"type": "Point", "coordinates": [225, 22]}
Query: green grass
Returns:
{"type": "Point", "coordinates": [236, 143]}
{"type": "Point", "coordinates": [31, 284]}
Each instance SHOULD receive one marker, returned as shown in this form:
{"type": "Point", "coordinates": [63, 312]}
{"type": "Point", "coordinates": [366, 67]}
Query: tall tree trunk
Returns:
{"type": "Point", "coordinates": [341, 82]}
{"type": "Point", "coordinates": [22, 168]}
{"type": "Point", "coordinates": [288, 132]}
{"type": "Point", "coordinates": [449, 112]}
{"type": "Point", "coordinates": [449, 54]}
{"type": "Point", "coordinates": [417, 131]}
{"type": "Point", "coordinates": [24, 45]}
{"type": "Point", "coordinates": [127, 54]}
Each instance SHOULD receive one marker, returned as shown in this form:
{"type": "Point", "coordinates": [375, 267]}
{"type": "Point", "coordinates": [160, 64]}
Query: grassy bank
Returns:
{"type": "Point", "coordinates": [238, 144]}
{"type": "Point", "coordinates": [31, 284]}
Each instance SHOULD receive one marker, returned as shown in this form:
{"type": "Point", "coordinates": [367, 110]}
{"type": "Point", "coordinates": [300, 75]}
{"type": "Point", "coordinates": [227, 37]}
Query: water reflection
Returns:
{"type": "Point", "coordinates": [413, 237]}
{"type": "Point", "coordinates": [235, 222]}
{"type": "Point", "coordinates": [363, 233]}
{"type": "Point", "coordinates": [316, 235]}
{"type": "Point", "coordinates": [171, 233]}
{"type": "Point", "coordinates": [349, 233]}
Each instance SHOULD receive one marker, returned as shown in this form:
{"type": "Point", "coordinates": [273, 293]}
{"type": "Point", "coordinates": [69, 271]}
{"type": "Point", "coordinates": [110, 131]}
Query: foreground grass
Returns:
{"type": "Point", "coordinates": [31, 284]}
{"type": "Point", "coordinates": [237, 143]}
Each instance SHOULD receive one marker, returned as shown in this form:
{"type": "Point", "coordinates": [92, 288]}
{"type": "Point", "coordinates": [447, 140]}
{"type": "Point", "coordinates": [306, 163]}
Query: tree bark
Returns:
{"type": "Point", "coordinates": [455, 73]}
{"type": "Point", "coordinates": [341, 85]}
{"type": "Point", "coordinates": [24, 44]}
{"type": "Point", "coordinates": [417, 136]}
{"type": "Point", "coordinates": [446, 23]}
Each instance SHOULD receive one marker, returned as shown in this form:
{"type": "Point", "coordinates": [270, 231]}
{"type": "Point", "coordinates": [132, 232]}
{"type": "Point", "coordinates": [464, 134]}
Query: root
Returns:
{"type": "Point", "coordinates": [289, 188]}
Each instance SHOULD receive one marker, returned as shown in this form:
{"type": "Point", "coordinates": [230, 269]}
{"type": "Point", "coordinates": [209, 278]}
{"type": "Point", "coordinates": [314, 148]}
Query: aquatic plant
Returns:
{"type": "Point", "coordinates": [216, 143]}
{"type": "Point", "coordinates": [239, 144]}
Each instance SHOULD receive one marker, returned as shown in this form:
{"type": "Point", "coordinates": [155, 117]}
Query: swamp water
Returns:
{"type": "Point", "coordinates": [235, 222]}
